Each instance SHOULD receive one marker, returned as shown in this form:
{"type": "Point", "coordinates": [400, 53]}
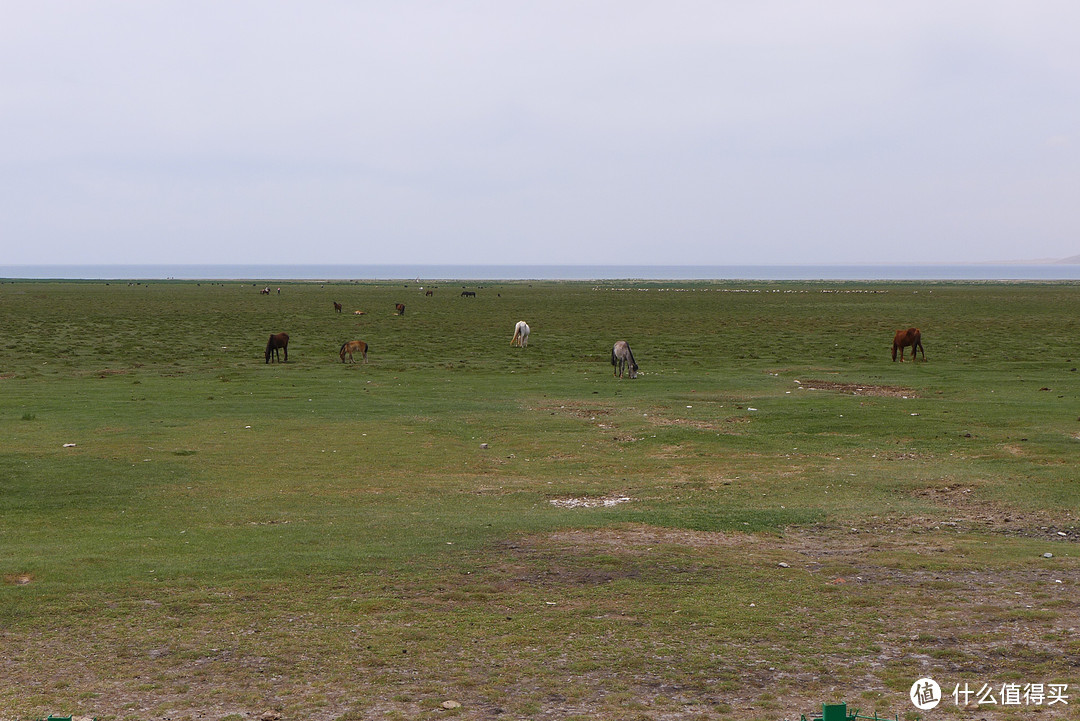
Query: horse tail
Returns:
{"type": "Point", "coordinates": [613, 361]}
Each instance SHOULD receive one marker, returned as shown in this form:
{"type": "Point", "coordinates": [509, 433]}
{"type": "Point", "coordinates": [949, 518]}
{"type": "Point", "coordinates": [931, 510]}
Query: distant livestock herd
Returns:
{"type": "Point", "coordinates": [622, 358]}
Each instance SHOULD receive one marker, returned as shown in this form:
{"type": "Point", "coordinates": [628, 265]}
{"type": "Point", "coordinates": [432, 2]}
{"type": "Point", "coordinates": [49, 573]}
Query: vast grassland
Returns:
{"type": "Point", "coordinates": [791, 518]}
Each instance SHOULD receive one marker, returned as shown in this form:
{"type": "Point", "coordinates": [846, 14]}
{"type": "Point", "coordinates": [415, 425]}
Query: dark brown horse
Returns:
{"type": "Point", "coordinates": [353, 346]}
{"type": "Point", "coordinates": [904, 338]}
{"type": "Point", "coordinates": [278, 340]}
{"type": "Point", "coordinates": [468, 294]}
{"type": "Point", "coordinates": [400, 308]}
{"type": "Point", "coordinates": [429, 293]}
{"type": "Point", "coordinates": [337, 306]}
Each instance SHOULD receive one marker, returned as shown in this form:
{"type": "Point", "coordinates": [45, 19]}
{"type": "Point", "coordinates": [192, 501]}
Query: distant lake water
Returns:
{"type": "Point", "coordinates": [1045, 271]}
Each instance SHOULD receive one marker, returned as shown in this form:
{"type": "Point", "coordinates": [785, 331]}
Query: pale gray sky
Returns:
{"type": "Point", "coordinates": [548, 132]}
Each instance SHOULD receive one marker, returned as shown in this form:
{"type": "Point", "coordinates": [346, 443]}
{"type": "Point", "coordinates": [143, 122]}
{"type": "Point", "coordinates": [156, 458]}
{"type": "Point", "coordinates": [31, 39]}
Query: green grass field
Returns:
{"type": "Point", "coordinates": [228, 539]}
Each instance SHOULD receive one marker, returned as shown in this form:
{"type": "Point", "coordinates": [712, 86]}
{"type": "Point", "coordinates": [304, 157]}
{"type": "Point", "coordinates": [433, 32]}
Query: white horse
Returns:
{"type": "Point", "coordinates": [622, 356]}
{"type": "Point", "coordinates": [521, 334]}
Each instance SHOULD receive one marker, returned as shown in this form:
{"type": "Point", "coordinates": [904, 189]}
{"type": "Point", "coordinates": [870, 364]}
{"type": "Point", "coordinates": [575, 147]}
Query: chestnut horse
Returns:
{"type": "Point", "coordinates": [910, 337]}
{"type": "Point", "coordinates": [399, 308]}
{"type": "Point", "coordinates": [353, 346]}
{"type": "Point", "coordinates": [278, 340]}
{"type": "Point", "coordinates": [337, 306]}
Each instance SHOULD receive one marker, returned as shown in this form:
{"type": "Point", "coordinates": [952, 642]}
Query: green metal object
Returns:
{"type": "Point", "coordinates": [834, 712]}
{"type": "Point", "coordinates": [839, 712]}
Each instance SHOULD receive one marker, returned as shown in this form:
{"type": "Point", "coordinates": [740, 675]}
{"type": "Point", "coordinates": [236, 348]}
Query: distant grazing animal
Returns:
{"type": "Point", "coordinates": [353, 346]}
{"type": "Point", "coordinates": [910, 337]}
{"type": "Point", "coordinates": [621, 357]}
{"type": "Point", "coordinates": [429, 293]}
{"type": "Point", "coordinates": [358, 312]}
{"type": "Point", "coordinates": [400, 308]}
{"type": "Point", "coordinates": [337, 306]}
{"type": "Point", "coordinates": [468, 294]}
{"type": "Point", "coordinates": [264, 291]}
{"type": "Point", "coordinates": [521, 334]}
{"type": "Point", "coordinates": [277, 341]}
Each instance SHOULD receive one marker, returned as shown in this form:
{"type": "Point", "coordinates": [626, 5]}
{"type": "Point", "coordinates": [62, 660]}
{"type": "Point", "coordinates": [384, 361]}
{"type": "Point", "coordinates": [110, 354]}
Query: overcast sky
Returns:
{"type": "Point", "coordinates": [621, 132]}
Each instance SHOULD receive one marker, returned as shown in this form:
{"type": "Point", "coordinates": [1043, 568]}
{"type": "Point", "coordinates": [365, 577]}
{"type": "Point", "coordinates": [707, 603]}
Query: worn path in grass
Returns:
{"type": "Point", "coordinates": [773, 515]}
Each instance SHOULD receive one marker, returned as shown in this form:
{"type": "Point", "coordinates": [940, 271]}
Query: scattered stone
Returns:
{"type": "Point", "coordinates": [269, 716]}
{"type": "Point", "coordinates": [69, 445]}
{"type": "Point", "coordinates": [451, 704]}
{"type": "Point", "coordinates": [484, 446]}
{"type": "Point", "coordinates": [783, 565]}
{"type": "Point", "coordinates": [1048, 555]}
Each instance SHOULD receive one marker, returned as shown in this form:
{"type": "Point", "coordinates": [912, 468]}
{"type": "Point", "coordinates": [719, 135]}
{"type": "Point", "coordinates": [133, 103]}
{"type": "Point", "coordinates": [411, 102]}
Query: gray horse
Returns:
{"type": "Point", "coordinates": [622, 356]}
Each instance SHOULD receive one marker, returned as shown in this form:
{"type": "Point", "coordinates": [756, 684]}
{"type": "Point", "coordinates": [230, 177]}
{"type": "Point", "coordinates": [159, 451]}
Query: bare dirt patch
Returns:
{"type": "Point", "coordinates": [726, 425]}
{"type": "Point", "coordinates": [859, 389]}
{"type": "Point", "coordinates": [941, 617]}
{"type": "Point", "coordinates": [576, 409]}
{"type": "Point", "coordinates": [972, 512]}
{"type": "Point", "coordinates": [19, 579]}
{"type": "Point", "coordinates": [633, 539]}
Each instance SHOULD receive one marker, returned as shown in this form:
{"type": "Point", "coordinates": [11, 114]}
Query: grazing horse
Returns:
{"type": "Point", "coordinates": [429, 293]}
{"type": "Point", "coordinates": [277, 340]}
{"type": "Point", "coordinates": [521, 334]}
{"type": "Point", "coordinates": [337, 306]}
{"type": "Point", "coordinates": [621, 357]}
{"type": "Point", "coordinates": [910, 337]}
{"type": "Point", "coordinates": [264, 291]}
{"type": "Point", "coordinates": [400, 308]}
{"type": "Point", "coordinates": [353, 346]}
{"type": "Point", "coordinates": [468, 294]}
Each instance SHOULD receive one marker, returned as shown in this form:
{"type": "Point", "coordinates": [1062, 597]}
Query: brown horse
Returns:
{"type": "Point", "coordinates": [278, 340]}
{"type": "Point", "coordinates": [429, 293]}
{"type": "Point", "coordinates": [353, 346]}
{"type": "Point", "coordinates": [400, 308]}
{"type": "Point", "coordinates": [337, 306]}
{"type": "Point", "coordinates": [910, 337]}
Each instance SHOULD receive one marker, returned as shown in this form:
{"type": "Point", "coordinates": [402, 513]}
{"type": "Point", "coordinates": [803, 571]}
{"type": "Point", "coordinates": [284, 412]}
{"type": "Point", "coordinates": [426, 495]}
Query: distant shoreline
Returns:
{"type": "Point", "coordinates": [1030, 271]}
